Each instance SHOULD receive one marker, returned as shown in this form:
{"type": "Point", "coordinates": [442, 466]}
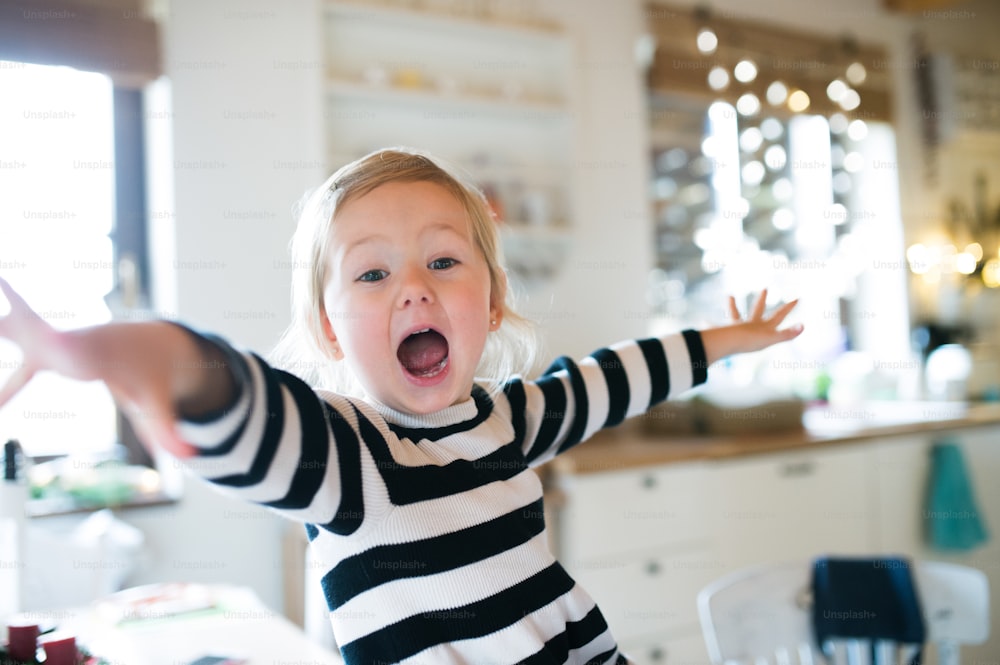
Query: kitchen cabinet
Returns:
{"type": "Point", "coordinates": [638, 542]}
{"type": "Point", "coordinates": [644, 539]}
{"type": "Point", "coordinates": [902, 466]}
{"type": "Point", "coordinates": [500, 112]}
{"type": "Point", "coordinates": [688, 649]}
{"type": "Point", "coordinates": [795, 505]}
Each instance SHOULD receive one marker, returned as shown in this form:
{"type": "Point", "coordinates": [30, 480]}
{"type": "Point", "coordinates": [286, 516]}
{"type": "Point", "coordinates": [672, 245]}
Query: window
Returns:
{"type": "Point", "coordinates": [802, 205]}
{"type": "Point", "coordinates": [774, 166]}
{"type": "Point", "coordinates": [72, 242]}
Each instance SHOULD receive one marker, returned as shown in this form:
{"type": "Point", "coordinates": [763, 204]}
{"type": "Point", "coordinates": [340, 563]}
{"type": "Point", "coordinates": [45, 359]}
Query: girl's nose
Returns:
{"type": "Point", "coordinates": [415, 289]}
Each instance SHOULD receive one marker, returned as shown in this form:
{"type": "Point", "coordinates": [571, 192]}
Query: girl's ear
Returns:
{"type": "Point", "coordinates": [497, 298]}
{"type": "Point", "coordinates": [334, 346]}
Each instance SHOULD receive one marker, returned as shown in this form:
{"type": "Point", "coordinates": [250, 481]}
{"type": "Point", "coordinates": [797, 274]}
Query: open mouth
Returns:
{"type": "Point", "coordinates": [424, 354]}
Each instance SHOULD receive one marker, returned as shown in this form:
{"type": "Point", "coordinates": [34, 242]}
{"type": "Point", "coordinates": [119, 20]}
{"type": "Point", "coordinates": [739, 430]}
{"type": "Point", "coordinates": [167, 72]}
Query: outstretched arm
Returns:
{"type": "Point", "coordinates": [572, 400]}
{"type": "Point", "coordinates": [256, 432]}
{"type": "Point", "coordinates": [754, 333]}
{"type": "Point", "coordinates": [156, 371]}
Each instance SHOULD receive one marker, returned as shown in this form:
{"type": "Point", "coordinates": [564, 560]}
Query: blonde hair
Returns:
{"type": "Point", "coordinates": [304, 349]}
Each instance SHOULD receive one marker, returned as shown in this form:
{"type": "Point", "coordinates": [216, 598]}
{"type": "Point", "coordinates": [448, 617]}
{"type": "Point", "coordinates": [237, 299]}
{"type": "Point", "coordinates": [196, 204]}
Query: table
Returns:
{"type": "Point", "coordinates": [238, 625]}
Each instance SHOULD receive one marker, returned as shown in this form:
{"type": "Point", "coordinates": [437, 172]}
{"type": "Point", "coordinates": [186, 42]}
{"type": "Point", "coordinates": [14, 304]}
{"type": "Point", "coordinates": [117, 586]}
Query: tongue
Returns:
{"type": "Point", "coordinates": [420, 353]}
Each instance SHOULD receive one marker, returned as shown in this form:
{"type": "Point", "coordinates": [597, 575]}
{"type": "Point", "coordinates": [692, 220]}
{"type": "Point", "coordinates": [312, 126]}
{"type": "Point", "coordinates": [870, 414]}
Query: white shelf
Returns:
{"type": "Point", "coordinates": [437, 20]}
{"type": "Point", "coordinates": [473, 101]}
{"type": "Point", "coordinates": [535, 253]}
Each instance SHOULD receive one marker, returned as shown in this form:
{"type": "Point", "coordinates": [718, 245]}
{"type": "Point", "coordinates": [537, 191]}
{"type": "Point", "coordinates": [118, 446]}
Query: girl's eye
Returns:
{"type": "Point", "coordinates": [373, 276]}
{"type": "Point", "coordinates": [442, 264]}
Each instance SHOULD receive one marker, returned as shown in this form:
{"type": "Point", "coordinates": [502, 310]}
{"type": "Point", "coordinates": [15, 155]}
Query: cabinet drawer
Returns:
{"type": "Point", "coordinates": [648, 595]}
{"type": "Point", "coordinates": [794, 506]}
{"type": "Point", "coordinates": [628, 511]}
{"type": "Point", "coordinates": [684, 649]}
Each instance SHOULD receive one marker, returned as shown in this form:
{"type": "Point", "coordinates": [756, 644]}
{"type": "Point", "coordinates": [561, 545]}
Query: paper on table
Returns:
{"type": "Point", "coordinates": [155, 601]}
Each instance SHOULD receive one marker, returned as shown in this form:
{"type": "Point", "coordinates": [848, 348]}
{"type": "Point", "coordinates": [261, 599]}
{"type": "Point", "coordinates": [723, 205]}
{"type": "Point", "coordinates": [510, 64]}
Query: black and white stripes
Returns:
{"type": "Point", "coordinates": [431, 528]}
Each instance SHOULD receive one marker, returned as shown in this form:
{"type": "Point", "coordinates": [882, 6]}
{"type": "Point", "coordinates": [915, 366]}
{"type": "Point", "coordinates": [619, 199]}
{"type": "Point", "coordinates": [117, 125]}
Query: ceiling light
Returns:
{"type": "Point", "coordinates": [835, 91]}
{"type": "Point", "coordinates": [748, 104]}
{"type": "Point", "coordinates": [707, 41]}
{"type": "Point", "coordinates": [718, 78]}
{"type": "Point", "coordinates": [798, 101]}
{"type": "Point", "coordinates": [777, 92]}
{"type": "Point", "coordinates": [745, 71]}
{"type": "Point", "coordinates": [857, 130]}
{"type": "Point", "coordinates": [856, 73]}
{"type": "Point", "coordinates": [850, 101]}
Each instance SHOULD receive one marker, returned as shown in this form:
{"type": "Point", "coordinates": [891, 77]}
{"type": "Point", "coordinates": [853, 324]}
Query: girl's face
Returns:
{"type": "Point", "coordinates": [407, 297]}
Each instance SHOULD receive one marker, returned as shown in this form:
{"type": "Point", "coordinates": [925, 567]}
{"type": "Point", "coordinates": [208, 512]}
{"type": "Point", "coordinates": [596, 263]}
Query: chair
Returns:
{"type": "Point", "coordinates": [762, 615]}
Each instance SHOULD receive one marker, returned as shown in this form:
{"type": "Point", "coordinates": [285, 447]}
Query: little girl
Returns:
{"type": "Point", "coordinates": [410, 461]}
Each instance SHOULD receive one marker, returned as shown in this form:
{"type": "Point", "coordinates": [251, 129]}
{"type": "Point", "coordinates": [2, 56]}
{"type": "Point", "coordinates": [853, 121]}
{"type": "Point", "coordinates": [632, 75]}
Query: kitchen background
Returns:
{"type": "Point", "coordinates": [602, 138]}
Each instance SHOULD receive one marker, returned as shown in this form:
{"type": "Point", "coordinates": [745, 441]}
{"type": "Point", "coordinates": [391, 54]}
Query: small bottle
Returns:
{"type": "Point", "coordinates": [13, 497]}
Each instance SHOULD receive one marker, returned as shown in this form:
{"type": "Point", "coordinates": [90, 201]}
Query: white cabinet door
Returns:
{"type": "Point", "coordinates": [649, 594]}
{"type": "Point", "coordinates": [796, 505]}
{"type": "Point", "coordinates": [613, 513]}
{"type": "Point", "coordinates": [901, 465]}
{"type": "Point", "coordinates": [904, 466]}
{"type": "Point", "coordinates": [636, 540]}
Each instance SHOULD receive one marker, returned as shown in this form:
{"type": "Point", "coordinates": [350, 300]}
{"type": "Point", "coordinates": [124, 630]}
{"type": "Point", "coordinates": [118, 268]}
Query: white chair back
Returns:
{"type": "Point", "coordinates": [762, 616]}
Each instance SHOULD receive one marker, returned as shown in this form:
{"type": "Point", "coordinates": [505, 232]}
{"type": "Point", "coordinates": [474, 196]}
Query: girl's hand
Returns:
{"type": "Point", "coordinates": [120, 355]}
{"type": "Point", "coordinates": [759, 331]}
{"type": "Point", "coordinates": [753, 333]}
{"type": "Point", "coordinates": [42, 347]}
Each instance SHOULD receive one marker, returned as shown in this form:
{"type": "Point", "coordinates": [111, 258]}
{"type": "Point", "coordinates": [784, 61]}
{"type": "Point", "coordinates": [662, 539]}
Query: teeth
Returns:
{"type": "Point", "coordinates": [436, 369]}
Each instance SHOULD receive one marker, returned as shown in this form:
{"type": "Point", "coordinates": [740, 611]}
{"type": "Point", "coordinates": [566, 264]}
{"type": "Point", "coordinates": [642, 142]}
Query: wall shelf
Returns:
{"type": "Point", "coordinates": [414, 16]}
{"type": "Point", "coordinates": [429, 97]}
{"type": "Point", "coordinates": [492, 94]}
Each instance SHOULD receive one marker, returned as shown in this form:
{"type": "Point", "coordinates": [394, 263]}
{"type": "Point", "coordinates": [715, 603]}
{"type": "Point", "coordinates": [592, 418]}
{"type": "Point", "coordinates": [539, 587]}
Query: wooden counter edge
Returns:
{"type": "Point", "coordinates": [630, 446]}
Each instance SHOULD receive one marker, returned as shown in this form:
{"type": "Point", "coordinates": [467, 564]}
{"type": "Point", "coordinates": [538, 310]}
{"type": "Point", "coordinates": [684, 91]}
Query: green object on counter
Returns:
{"type": "Point", "coordinates": [823, 383]}
{"type": "Point", "coordinates": [107, 483]}
{"type": "Point", "coordinates": [952, 519]}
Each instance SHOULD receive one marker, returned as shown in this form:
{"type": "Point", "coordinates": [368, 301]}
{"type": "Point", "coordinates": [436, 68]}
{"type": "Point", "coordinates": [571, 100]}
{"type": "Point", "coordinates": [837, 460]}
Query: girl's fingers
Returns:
{"type": "Point", "coordinates": [22, 325]}
{"type": "Point", "coordinates": [165, 436]}
{"type": "Point", "coordinates": [779, 314]}
{"type": "Point", "coordinates": [155, 428]}
{"type": "Point", "coordinates": [5, 287]}
{"type": "Point", "coordinates": [17, 380]}
{"type": "Point", "coordinates": [734, 311]}
{"type": "Point", "coordinates": [150, 411]}
{"type": "Point", "coordinates": [791, 332]}
{"type": "Point", "coordinates": [17, 303]}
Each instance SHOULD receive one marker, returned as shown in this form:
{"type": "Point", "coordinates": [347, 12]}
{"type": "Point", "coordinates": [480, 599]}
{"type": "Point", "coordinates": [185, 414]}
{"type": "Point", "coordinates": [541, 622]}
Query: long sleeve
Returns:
{"type": "Point", "coordinates": [282, 445]}
{"type": "Point", "coordinates": [573, 400]}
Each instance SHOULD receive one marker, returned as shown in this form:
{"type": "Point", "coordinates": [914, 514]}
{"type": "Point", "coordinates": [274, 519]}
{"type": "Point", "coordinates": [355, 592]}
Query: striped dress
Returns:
{"type": "Point", "coordinates": [430, 528]}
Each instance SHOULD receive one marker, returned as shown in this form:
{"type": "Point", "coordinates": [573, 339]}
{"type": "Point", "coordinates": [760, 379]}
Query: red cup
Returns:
{"type": "Point", "coordinates": [22, 640]}
{"type": "Point", "coordinates": [60, 648]}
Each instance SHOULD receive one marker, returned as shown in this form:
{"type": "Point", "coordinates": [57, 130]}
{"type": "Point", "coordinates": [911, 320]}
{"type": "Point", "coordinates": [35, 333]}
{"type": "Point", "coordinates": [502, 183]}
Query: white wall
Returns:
{"type": "Point", "coordinates": [247, 125]}
{"type": "Point", "coordinates": [248, 141]}
{"type": "Point", "coordinates": [598, 295]}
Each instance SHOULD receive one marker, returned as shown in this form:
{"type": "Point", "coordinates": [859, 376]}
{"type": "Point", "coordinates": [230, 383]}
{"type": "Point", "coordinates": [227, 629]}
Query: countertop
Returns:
{"type": "Point", "coordinates": [158, 630]}
{"type": "Point", "coordinates": [632, 445]}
